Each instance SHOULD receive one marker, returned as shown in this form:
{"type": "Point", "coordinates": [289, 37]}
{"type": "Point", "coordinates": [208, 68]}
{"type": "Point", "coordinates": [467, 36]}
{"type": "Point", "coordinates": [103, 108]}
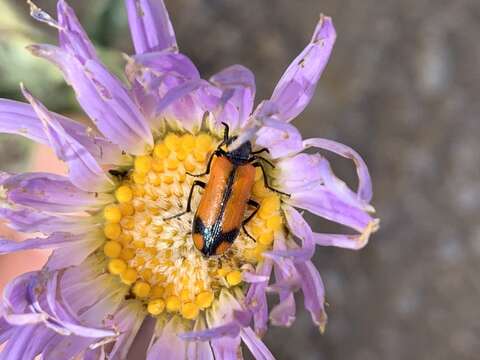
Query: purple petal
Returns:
{"type": "Point", "coordinates": [364, 181]}
{"type": "Point", "coordinates": [297, 85]}
{"type": "Point", "coordinates": [72, 36]}
{"type": "Point", "coordinates": [14, 297]}
{"type": "Point", "coordinates": [75, 253]}
{"type": "Point", "coordinates": [354, 242]}
{"type": "Point", "coordinates": [298, 172]}
{"type": "Point", "coordinates": [255, 345]}
{"type": "Point", "coordinates": [104, 99]}
{"type": "Point", "coordinates": [169, 345]}
{"type": "Point", "coordinates": [31, 220]}
{"type": "Point", "coordinates": [283, 314]}
{"type": "Point", "coordinates": [322, 202]}
{"type": "Point", "coordinates": [49, 192]}
{"type": "Point", "coordinates": [150, 26]}
{"type": "Point", "coordinates": [20, 119]}
{"type": "Point", "coordinates": [199, 350]}
{"type": "Point", "coordinates": [26, 342]}
{"type": "Point", "coordinates": [53, 241]}
{"type": "Point", "coordinates": [84, 171]}
{"type": "Point", "coordinates": [256, 299]}
{"type": "Point", "coordinates": [127, 321]}
{"type": "Point", "coordinates": [238, 94]}
{"type": "Point", "coordinates": [280, 138]}
{"type": "Point", "coordinates": [313, 293]}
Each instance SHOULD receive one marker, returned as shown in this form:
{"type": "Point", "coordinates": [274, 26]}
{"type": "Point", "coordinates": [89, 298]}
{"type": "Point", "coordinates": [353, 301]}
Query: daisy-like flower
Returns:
{"type": "Point", "coordinates": [122, 263]}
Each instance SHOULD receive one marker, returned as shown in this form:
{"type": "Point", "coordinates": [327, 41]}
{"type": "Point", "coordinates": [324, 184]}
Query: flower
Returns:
{"type": "Point", "coordinates": [121, 261]}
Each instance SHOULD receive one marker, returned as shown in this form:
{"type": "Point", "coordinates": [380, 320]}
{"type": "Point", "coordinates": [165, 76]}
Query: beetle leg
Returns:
{"type": "Point", "coordinates": [189, 201]}
{"type": "Point", "coordinates": [265, 181]}
{"type": "Point", "coordinates": [255, 157]}
{"type": "Point", "coordinates": [250, 217]}
{"type": "Point", "coordinates": [209, 164]}
{"type": "Point", "coordinates": [225, 132]}
{"type": "Point", "coordinates": [261, 151]}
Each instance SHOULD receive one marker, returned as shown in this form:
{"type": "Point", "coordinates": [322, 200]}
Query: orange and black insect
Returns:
{"type": "Point", "coordinates": [222, 208]}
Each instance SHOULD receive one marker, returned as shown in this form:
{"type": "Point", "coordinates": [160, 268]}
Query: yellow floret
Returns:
{"type": "Point", "coordinates": [173, 303]}
{"type": "Point", "coordinates": [128, 223]}
{"type": "Point", "coordinates": [127, 209]}
{"type": "Point", "coordinates": [259, 189]}
{"type": "Point", "coordinates": [270, 204]}
{"type": "Point", "coordinates": [172, 164]}
{"type": "Point", "coordinates": [234, 278]}
{"type": "Point", "coordinates": [157, 291]}
{"type": "Point", "coordinates": [156, 307]}
{"type": "Point", "coordinates": [157, 165]}
{"type": "Point", "coordinates": [112, 231]}
{"type": "Point", "coordinates": [124, 194]}
{"type": "Point", "coordinates": [139, 178]}
{"type": "Point", "coordinates": [275, 222]}
{"type": "Point", "coordinates": [204, 299]}
{"type": "Point", "coordinates": [161, 151]}
{"type": "Point", "coordinates": [112, 213]}
{"type": "Point", "coordinates": [266, 238]}
{"type": "Point", "coordinates": [112, 249]}
{"type": "Point", "coordinates": [190, 311]}
{"type": "Point", "coordinates": [203, 142]}
{"type": "Point", "coordinates": [141, 289]}
{"type": "Point", "coordinates": [117, 266]}
{"type": "Point", "coordinates": [172, 142]}
{"type": "Point", "coordinates": [188, 142]}
{"type": "Point", "coordinates": [127, 254]}
{"type": "Point", "coordinates": [143, 164]}
{"type": "Point", "coordinates": [129, 276]}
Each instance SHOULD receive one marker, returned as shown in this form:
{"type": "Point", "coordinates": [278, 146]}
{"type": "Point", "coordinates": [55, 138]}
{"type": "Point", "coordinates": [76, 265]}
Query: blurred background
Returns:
{"type": "Point", "coordinates": [402, 88]}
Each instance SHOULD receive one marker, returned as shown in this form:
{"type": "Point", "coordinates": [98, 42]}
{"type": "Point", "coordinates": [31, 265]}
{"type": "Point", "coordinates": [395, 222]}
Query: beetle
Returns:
{"type": "Point", "coordinates": [221, 211]}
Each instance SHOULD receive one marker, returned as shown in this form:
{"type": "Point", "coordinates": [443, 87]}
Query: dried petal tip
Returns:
{"type": "Point", "coordinates": [40, 15]}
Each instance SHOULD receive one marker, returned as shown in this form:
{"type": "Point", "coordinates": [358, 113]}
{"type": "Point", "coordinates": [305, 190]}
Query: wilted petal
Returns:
{"type": "Point", "coordinates": [364, 181]}
{"type": "Point", "coordinates": [297, 85]}
{"type": "Point", "coordinates": [354, 242]}
{"type": "Point", "coordinates": [84, 171]}
{"type": "Point", "coordinates": [150, 26]}
{"type": "Point", "coordinates": [72, 36]}
{"type": "Point", "coordinates": [313, 293]}
{"type": "Point", "coordinates": [255, 345]}
{"type": "Point", "coordinates": [53, 193]}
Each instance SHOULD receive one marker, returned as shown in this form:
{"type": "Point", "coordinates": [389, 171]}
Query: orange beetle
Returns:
{"type": "Point", "coordinates": [221, 210]}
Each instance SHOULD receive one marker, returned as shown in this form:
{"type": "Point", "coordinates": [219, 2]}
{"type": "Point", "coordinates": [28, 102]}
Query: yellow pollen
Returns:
{"type": "Point", "coordinates": [141, 289]}
{"type": "Point", "coordinates": [127, 254]}
{"type": "Point", "coordinates": [112, 249]}
{"type": "Point", "coordinates": [275, 222]}
{"type": "Point", "coordinates": [173, 303]}
{"type": "Point", "coordinates": [156, 307]}
{"type": "Point", "coordinates": [190, 311]}
{"type": "Point", "coordinates": [185, 295]}
{"type": "Point", "coordinates": [112, 231]}
{"type": "Point", "coordinates": [112, 213]}
{"type": "Point", "coordinates": [124, 194]}
{"type": "Point", "coordinates": [139, 178]}
{"type": "Point", "coordinates": [157, 166]}
{"type": "Point", "coordinates": [161, 151]}
{"type": "Point", "coordinates": [126, 209]}
{"type": "Point", "coordinates": [143, 164]}
{"type": "Point", "coordinates": [266, 238]}
{"type": "Point", "coordinates": [204, 299]}
{"type": "Point", "coordinates": [129, 276]}
{"type": "Point", "coordinates": [259, 189]}
{"type": "Point", "coordinates": [117, 266]}
{"type": "Point", "coordinates": [188, 142]}
{"type": "Point", "coordinates": [203, 143]}
{"type": "Point", "coordinates": [157, 291]}
{"type": "Point", "coordinates": [234, 278]}
{"type": "Point", "coordinates": [172, 142]}
{"type": "Point", "coordinates": [172, 164]}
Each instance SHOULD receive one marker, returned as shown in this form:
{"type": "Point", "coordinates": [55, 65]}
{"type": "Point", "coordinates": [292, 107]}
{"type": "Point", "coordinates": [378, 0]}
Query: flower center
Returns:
{"type": "Point", "coordinates": [156, 255]}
